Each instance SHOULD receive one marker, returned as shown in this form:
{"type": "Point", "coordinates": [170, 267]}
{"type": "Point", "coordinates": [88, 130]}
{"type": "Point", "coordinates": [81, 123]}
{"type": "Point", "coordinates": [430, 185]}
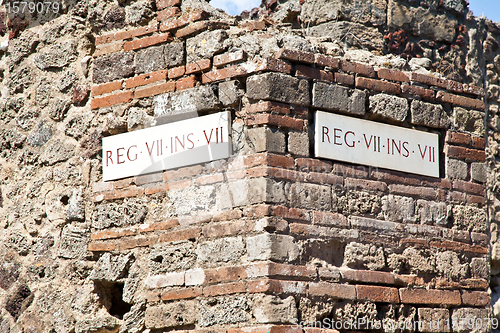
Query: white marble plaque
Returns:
{"type": "Point", "coordinates": [168, 146]}
{"type": "Point", "coordinates": [370, 143]}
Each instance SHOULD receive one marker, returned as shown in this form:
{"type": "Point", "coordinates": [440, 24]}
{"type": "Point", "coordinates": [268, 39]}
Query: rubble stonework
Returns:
{"type": "Point", "coordinates": [271, 236]}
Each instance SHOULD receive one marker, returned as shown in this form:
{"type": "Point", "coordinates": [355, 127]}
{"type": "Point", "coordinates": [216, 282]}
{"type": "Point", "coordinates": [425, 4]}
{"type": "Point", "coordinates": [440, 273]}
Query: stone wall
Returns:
{"type": "Point", "coordinates": [271, 236]}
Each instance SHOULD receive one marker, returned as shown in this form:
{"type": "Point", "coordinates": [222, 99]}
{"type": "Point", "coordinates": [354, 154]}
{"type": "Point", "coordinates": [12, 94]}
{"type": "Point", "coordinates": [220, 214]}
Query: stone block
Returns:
{"type": "Point", "coordinates": [232, 194]}
{"type": "Point", "coordinates": [430, 212]}
{"type": "Point", "coordinates": [310, 196]}
{"type": "Point", "coordinates": [298, 143]}
{"type": "Point", "coordinates": [221, 250]}
{"type": "Point", "coordinates": [390, 107]}
{"type": "Point", "coordinates": [149, 60]}
{"type": "Point", "coordinates": [448, 265]}
{"type": "Point", "coordinates": [364, 256]}
{"type": "Point", "coordinates": [171, 315]}
{"type": "Point", "coordinates": [266, 190]}
{"type": "Point", "coordinates": [111, 267]}
{"type": "Point", "coordinates": [118, 215]}
{"type": "Point", "coordinates": [113, 67]}
{"type": "Point", "coordinates": [272, 309]}
{"type": "Point", "coordinates": [56, 56]}
{"type": "Point", "coordinates": [470, 218]}
{"type": "Point", "coordinates": [272, 247]}
{"type": "Point", "coordinates": [456, 169]}
{"type": "Point", "coordinates": [57, 151]}
{"type": "Point", "coordinates": [230, 93]}
{"type": "Point", "coordinates": [480, 268]}
{"type": "Point", "coordinates": [174, 54]}
{"type": "Point", "coordinates": [266, 139]}
{"type": "Point", "coordinates": [194, 277]}
{"type": "Point", "coordinates": [434, 320]}
{"type": "Point", "coordinates": [478, 172]}
{"type": "Point", "coordinates": [398, 209]}
{"type": "Point", "coordinates": [461, 319]}
{"type": "Point", "coordinates": [428, 114]}
{"type": "Point", "coordinates": [278, 87]}
{"type": "Point", "coordinates": [73, 243]}
{"type": "Point", "coordinates": [186, 103]}
{"type": "Point", "coordinates": [469, 121]}
{"type": "Point", "coordinates": [167, 259]}
{"type": "Point", "coordinates": [334, 97]}
{"type": "Point", "coordinates": [96, 324]}
{"type": "Point", "coordinates": [164, 280]}
{"type": "Point", "coordinates": [192, 200]}
{"type": "Point", "coordinates": [223, 311]}
{"type": "Point", "coordinates": [205, 45]}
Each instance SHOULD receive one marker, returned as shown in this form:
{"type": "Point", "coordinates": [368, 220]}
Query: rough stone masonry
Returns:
{"type": "Point", "coordinates": [272, 236]}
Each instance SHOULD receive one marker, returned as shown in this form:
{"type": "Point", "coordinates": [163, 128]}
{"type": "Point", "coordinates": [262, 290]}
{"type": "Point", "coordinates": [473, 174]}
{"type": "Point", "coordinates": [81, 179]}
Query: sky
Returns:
{"type": "Point", "coordinates": [488, 8]}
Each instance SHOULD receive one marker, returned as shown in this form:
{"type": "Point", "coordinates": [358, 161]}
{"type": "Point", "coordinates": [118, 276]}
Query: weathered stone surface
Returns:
{"type": "Point", "coordinates": [96, 324]}
{"type": "Point", "coordinates": [19, 301]}
{"type": "Point", "coordinates": [334, 97]}
{"type": "Point", "coordinates": [480, 268]}
{"type": "Point", "coordinates": [186, 102]}
{"type": "Point", "coordinates": [220, 250]}
{"type": "Point", "coordinates": [22, 46]}
{"type": "Point", "coordinates": [111, 267]}
{"type": "Point", "coordinates": [448, 265]}
{"type": "Point", "coordinates": [230, 93]}
{"type": "Point", "coordinates": [57, 151]}
{"type": "Point", "coordinates": [223, 311]}
{"type": "Point", "coordinates": [421, 22]}
{"type": "Point", "coordinates": [278, 87]}
{"type": "Point", "coordinates": [319, 11]}
{"type": "Point", "coordinates": [58, 108]}
{"type": "Point", "coordinates": [19, 242]}
{"type": "Point", "coordinates": [478, 172]}
{"type": "Point", "coordinates": [398, 209]}
{"type": "Point", "coordinates": [174, 54]}
{"type": "Point", "coordinates": [311, 196]}
{"type": "Point", "coordinates": [74, 242]}
{"type": "Point", "coordinates": [150, 59]}
{"type": "Point", "coordinates": [438, 317]}
{"type": "Point", "coordinates": [469, 121]}
{"type": "Point", "coordinates": [364, 256]}
{"type": "Point", "coordinates": [470, 218]}
{"type": "Point", "coordinates": [41, 134]}
{"type": "Point", "coordinates": [430, 212]}
{"type": "Point", "coordinates": [428, 114]}
{"type": "Point", "coordinates": [388, 106]}
{"type": "Point", "coordinates": [353, 34]}
{"type": "Point", "coordinates": [191, 201]}
{"type": "Point", "coordinates": [75, 208]}
{"type": "Point", "coordinates": [168, 259]}
{"type": "Point", "coordinates": [298, 143]}
{"type": "Point", "coordinates": [272, 309]}
{"type": "Point", "coordinates": [139, 119]}
{"type": "Point", "coordinates": [456, 169]}
{"type": "Point", "coordinates": [133, 321]}
{"type": "Point", "coordinates": [56, 56]}
{"type": "Point", "coordinates": [20, 79]}
{"type": "Point", "coordinates": [139, 12]}
{"type": "Point", "coordinates": [266, 139]}
{"type": "Point", "coordinates": [272, 247]}
{"type": "Point", "coordinates": [77, 124]}
{"type": "Point", "coordinates": [67, 79]}
{"type": "Point", "coordinates": [205, 45]}
{"type": "Point", "coordinates": [113, 67]}
{"type": "Point", "coordinates": [118, 215]}
{"type": "Point", "coordinates": [462, 327]}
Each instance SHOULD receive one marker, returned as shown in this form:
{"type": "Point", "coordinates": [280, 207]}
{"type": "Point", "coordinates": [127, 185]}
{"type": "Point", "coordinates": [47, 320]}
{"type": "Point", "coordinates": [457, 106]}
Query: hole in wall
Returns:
{"type": "Point", "coordinates": [118, 306]}
{"type": "Point", "coordinates": [65, 200]}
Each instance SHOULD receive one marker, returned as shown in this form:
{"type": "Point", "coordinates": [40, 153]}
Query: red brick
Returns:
{"type": "Point", "coordinates": [431, 297]}
{"type": "Point", "coordinates": [149, 178]}
{"type": "Point", "coordinates": [258, 211]}
{"type": "Point", "coordinates": [126, 193]}
{"type": "Point", "coordinates": [111, 48]}
{"type": "Point", "coordinates": [169, 25]}
{"type": "Point", "coordinates": [423, 192]}
{"type": "Point", "coordinates": [142, 80]}
{"type": "Point", "coordinates": [392, 75]}
{"type": "Point", "coordinates": [122, 183]}
{"type": "Point", "coordinates": [228, 58]}
{"type": "Point", "coordinates": [168, 13]}
{"type": "Point", "coordinates": [147, 41]}
{"type": "Point", "coordinates": [395, 177]}
{"type": "Point", "coordinates": [277, 286]}
{"type": "Point", "coordinates": [458, 138]}
{"type": "Point", "coordinates": [367, 276]}
{"type": "Point", "coordinates": [414, 242]}
{"type": "Point", "coordinates": [455, 86]}
{"type": "Point", "coordinates": [326, 61]}
{"type": "Point", "coordinates": [106, 88]}
{"type": "Point", "coordinates": [294, 271]}
{"type": "Point", "coordinates": [152, 297]}
{"type": "Point", "coordinates": [475, 199]}
{"type": "Point", "coordinates": [177, 184]}
{"type": "Point", "coordinates": [154, 90]}
{"type": "Point", "coordinates": [426, 94]}
{"type": "Point", "coordinates": [473, 90]}
{"type": "Point", "coordinates": [429, 80]}
{"type": "Point", "coordinates": [377, 294]}
{"type": "Point", "coordinates": [136, 32]}
{"type": "Point", "coordinates": [104, 39]}
{"type": "Point", "coordinates": [102, 186]}
{"type": "Point", "coordinates": [228, 228]}
{"type": "Point", "coordinates": [321, 330]}
{"type": "Point", "coordinates": [254, 25]}
{"type": "Point", "coordinates": [345, 79]}
{"type": "Point", "coordinates": [329, 219]}
{"type": "Point", "coordinates": [186, 293]}
{"type": "Point", "coordinates": [176, 72]}
{"type": "Point", "coordinates": [370, 185]}
{"type": "Point", "coordinates": [225, 289]}
{"type": "Point", "coordinates": [222, 274]}
{"type": "Point", "coordinates": [182, 172]}
{"type": "Point", "coordinates": [289, 329]}
{"type": "Point", "coordinates": [475, 298]}
{"type": "Point", "coordinates": [340, 291]}
{"type": "Point", "coordinates": [150, 227]}
{"type": "Point", "coordinates": [198, 67]}
{"type": "Point", "coordinates": [460, 100]}
{"type": "Point", "coordinates": [377, 85]}
{"type": "Point", "coordinates": [478, 142]}
{"type": "Point", "coordinates": [315, 165]}
{"type": "Point", "coordinates": [321, 178]}
{"type": "Point", "coordinates": [312, 73]}
{"type": "Point", "coordinates": [184, 20]}
{"type": "Point", "coordinates": [275, 120]}
{"type": "Point", "coordinates": [186, 83]}
{"type": "Point", "coordinates": [178, 235]}
{"type": "Point", "coordinates": [110, 234]}
{"type": "Point", "coordinates": [469, 187]}
{"type": "Point", "coordinates": [355, 67]}
{"type": "Point", "coordinates": [132, 243]}
{"type": "Point", "coordinates": [210, 179]}
{"type": "Point", "coordinates": [155, 188]}
{"type": "Point", "coordinates": [268, 106]}
{"type": "Point", "coordinates": [101, 246]}
{"type": "Point", "coordinates": [290, 213]}
{"type": "Point", "coordinates": [458, 247]}
{"type": "Point", "coordinates": [295, 55]}
{"type": "Point", "coordinates": [119, 98]}
{"type": "Point", "coordinates": [160, 4]}
{"type": "Point", "coordinates": [224, 73]}
{"type": "Point", "coordinates": [192, 29]}
{"type": "Point", "coordinates": [346, 170]}
{"type": "Point", "coordinates": [466, 154]}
